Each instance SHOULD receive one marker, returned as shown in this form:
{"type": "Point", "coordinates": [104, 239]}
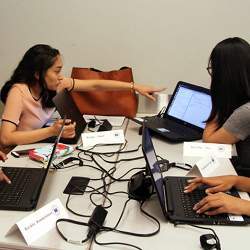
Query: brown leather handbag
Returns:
{"type": "Point", "coordinates": [115, 103]}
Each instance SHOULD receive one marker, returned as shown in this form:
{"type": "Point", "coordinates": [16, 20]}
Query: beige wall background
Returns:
{"type": "Point", "coordinates": [164, 41]}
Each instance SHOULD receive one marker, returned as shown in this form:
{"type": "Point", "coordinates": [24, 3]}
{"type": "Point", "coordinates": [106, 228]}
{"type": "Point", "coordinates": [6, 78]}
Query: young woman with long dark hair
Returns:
{"type": "Point", "coordinates": [28, 96]}
{"type": "Point", "coordinates": [229, 122]}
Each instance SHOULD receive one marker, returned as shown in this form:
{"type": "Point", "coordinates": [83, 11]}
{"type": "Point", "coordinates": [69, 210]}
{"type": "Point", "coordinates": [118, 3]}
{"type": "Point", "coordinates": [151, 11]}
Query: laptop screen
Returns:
{"type": "Point", "coordinates": [191, 104]}
{"type": "Point", "coordinates": [153, 166]}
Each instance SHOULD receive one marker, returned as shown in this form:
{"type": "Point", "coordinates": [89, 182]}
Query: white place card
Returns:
{"type": "Point", "coordinates": [204, 167]}
{"type": "Point", "coordinates": [40, 222]}
{"type": "Point", "coordinates": [207, 149]}
{"type": "Point", "coordinates": [104, 137]}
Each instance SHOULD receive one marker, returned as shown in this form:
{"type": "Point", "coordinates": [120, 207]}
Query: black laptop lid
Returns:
{"type": "Point", "coordinates": [190, 105]}
{"type": "Point", "coordinates": [39, 188]}
{"type": "Point", "coordinates": [66, 106]}
{"type": "Point", "coordinates": [153, 167]}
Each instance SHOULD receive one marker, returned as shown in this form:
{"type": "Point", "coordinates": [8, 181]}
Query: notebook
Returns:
{"type": "Point", "coordinates": [177, 206]}
{"type": "Point", "coordinates": [66, 106]}
{"type": "Point", "coordinates": [185, 115]}
{"type": "Point", "coordinates": [26, 184]}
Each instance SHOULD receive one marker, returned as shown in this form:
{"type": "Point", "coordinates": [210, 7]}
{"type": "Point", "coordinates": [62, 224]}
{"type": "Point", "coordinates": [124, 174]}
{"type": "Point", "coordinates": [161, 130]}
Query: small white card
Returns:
{"type": "Point", "coordinates": [206, 149]}
{"type": "Point", "coordinates": [104, 137]}
{"type": "Point", "coordinates": [204, 167]}
{"type": "Point", "coordinates": [40, 222]}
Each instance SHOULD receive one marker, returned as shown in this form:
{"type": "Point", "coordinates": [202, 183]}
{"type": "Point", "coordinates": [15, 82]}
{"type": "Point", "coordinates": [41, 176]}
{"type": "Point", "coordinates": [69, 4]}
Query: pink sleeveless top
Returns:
{"type": "Point", "coordinates": [23, 110]}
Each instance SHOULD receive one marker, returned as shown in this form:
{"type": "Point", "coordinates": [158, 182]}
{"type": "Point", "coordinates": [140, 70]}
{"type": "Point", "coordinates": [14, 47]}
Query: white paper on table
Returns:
{"type": "Point", "coordinates": [207, 149]}
{"type": "Point", "coordinates": [104, 137]}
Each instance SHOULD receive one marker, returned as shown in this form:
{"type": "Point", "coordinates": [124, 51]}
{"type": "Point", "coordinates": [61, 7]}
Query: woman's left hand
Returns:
{"type": "Point", "coordinates": [222, 203]}
{"type": "Point", "coordinates": [147, 91]}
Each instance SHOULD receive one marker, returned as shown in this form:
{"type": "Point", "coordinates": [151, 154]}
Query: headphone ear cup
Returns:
{"type": "Point", "coordinates": [139, 187]}
{"type": "Point", "coordinates": [205, 244]}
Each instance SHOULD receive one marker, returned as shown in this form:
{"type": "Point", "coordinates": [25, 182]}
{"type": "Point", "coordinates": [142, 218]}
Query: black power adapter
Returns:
{"type": "Point", "coordinates": [96, 220]}
{"type": "Point", "coordinates": [106, 125]}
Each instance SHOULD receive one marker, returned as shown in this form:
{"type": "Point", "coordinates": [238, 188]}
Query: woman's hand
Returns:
{"type": "Point", "coordinates": [68, 130]}
{"type": "Point", "coordinates": [3, 177]}
{"type": "Point", "coordinates": [3, 156]}
{"type": "Point", "coordinates": [147, 91]}
{"type": "Point", "coordinates": [218, 184]}
{"type": "Point", "coordinates": [65, 83]}
{"type": "Point", "coordinates": [222, 203]}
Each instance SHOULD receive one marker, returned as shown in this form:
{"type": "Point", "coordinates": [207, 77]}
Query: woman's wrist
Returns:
{"type": "Point", "coordinates": [51, 131]}
{"type": "Point", "coordinates": [72, 84]}
{"type": "Point", "coordinates": [245, 208]}
{"type": "Point", "coordinates": [132, 87]}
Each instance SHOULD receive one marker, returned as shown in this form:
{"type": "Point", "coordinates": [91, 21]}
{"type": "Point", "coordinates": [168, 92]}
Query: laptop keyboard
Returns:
{"type": "Point", "coordinates": [189, 200]}
{"type": "Point", "coordinates": [13, 193]}
{"type": "Point", "coordinates": [180, 129]}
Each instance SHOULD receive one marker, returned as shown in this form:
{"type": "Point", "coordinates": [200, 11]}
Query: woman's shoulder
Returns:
{"type": "Point", "coordinates": [244, 108]}
{"type": "Point", "coordinates": [20, 88]}
{"type": "Point", "coordinates": [242, 112]}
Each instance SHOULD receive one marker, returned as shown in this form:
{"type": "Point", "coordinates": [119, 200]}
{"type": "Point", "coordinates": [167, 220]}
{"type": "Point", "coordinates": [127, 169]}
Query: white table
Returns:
{"type": "Point", "coordinates": [170, 237]}
{"type": "Point", "coordinates": [54, 185]}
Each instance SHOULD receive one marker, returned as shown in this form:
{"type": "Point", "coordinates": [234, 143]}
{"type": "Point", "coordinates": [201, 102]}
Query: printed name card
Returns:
{"type": "Point", "coordinates": [204, 167]}
{"type": "Point", "coordinates": [40, 222]}
{"type": "Point", "coordinates": [104, 137]}
{"type": "Point", "coordinates": [207, 149]}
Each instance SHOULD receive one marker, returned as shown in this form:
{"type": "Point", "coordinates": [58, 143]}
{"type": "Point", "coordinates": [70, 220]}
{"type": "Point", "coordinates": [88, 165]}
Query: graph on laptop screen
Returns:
{"type": "Point", "coordinates": [191, 106]}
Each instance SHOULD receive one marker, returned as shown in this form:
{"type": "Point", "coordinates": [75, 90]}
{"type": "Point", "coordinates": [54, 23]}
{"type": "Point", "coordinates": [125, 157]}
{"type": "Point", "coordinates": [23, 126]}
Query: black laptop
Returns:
{"type": "Point", "coordinates": [66, 106]}
{"type": "Point", "coordinates": [26, 184]}
{"type": "Point", "coordinates": [177, 206]}
{"type": "Point", "coordinates": [185, 115]}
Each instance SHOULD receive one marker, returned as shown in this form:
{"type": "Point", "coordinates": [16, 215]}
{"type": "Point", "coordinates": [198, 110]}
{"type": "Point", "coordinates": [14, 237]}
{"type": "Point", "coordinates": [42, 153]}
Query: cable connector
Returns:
{"type": "Point", "coordinates": [164, 165]}
{"type": "Point", "coordinates": [96, 220]}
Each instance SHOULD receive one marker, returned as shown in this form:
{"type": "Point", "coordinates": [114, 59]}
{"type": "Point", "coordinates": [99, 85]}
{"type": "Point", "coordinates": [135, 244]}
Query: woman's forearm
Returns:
{"type": "Point", "coordinates": [89, 85]}
{"type": "Point", "coordinates": [26, 137]}
{"type": "Point", "coordinates": [243, 183]}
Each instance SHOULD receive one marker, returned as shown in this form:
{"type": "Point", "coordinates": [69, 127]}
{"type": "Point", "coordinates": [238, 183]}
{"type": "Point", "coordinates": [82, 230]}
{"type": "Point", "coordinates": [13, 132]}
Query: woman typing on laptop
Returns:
{"type": "Point", "coordinates": [217, 201]}
{"type": "Point", "coordinates": [229, 122]}
{"type": "Point", "coordinates": [29, 92]}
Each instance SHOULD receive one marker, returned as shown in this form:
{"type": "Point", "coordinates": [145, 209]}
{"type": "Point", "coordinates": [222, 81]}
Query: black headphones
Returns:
{"type": "Point", "coordinates": [207, 245]}
{"type": "Point", "coordinates": [140, 187]}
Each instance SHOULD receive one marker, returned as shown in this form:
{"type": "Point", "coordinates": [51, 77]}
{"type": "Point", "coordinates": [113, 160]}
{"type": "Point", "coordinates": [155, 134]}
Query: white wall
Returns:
{"type": "Point", "coordinates": [163, 40]}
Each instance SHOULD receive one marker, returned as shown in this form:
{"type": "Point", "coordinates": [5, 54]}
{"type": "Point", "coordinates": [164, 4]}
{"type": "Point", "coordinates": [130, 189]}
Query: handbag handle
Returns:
{"type": "Point", "coordinates": [97, 70]}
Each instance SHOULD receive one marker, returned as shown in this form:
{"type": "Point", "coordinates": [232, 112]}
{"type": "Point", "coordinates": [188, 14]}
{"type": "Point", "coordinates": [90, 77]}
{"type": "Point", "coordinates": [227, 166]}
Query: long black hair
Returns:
{"type": "Point", "coordinates": [36, 61]}
{"type": "Point", "coordinates": [230, 78]}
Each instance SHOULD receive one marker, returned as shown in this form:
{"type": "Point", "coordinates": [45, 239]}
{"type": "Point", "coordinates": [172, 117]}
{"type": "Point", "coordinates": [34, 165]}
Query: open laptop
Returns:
{"type": "Point", "coordinates": [177, 206]}
{"type": "Point", "coordinates": [66, 106]}
{"type": "Point", "coordinates": [185, 115]}
{"type": "Point", "coordinates": [26, 184]}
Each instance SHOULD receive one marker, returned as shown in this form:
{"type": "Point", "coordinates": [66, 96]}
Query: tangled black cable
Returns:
{"type": "Point", "coordinates": [94, 229]}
